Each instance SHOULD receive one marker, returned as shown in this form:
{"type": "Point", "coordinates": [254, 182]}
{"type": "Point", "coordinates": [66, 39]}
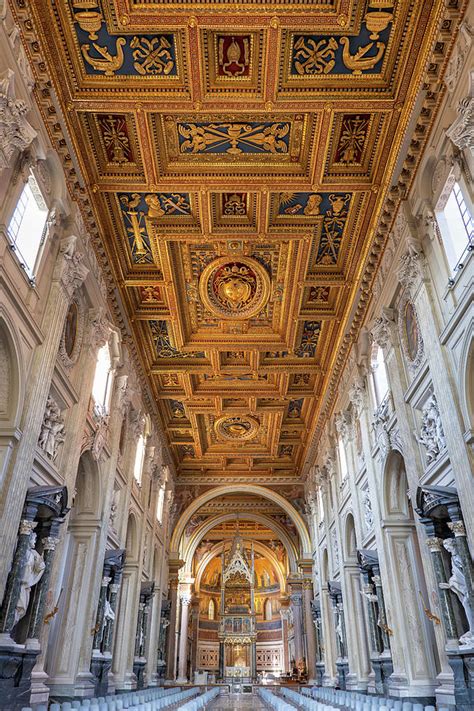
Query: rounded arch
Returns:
{"type": "Point", "coordinates": [132, 544]}
{"type": "Point", "coordinates": [259, 548]}
{"type": "Point", "coordinates": [262, 491]}
{"type": "Point", "coordinates": [350, 540]}
{"type": "Point", "coordinates": [210, 523]}
{"type": "Point", "coordinates": [466, 377]}
{"type": "Point", "coordinates": [87, 500]}
{"type": "Point", "coordinates": [11, 372]}
{"type": "Point", "coordinates": [394, 487]}
{"type": "Point", "coordinates": [324, 566]}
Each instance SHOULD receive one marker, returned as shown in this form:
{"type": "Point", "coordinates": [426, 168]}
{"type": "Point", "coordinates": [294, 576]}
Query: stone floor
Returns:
{"type": "Point", "coordinates": [236, 701]}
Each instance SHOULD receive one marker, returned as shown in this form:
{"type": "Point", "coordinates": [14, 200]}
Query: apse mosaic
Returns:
{"type": "Point", "coordinates": [235, 169]}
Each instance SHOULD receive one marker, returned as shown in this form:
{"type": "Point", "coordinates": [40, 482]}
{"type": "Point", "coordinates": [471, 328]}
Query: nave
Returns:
{"type": "Point", "coordinates": [236, 354]}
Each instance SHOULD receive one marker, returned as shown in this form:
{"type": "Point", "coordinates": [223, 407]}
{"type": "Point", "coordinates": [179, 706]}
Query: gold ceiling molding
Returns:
{"type": "Point", "coordinates": [249, 177]}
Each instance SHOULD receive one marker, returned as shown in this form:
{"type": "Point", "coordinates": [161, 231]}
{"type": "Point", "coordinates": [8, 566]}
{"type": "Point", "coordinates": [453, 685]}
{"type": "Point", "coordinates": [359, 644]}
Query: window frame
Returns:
{"type": "Point", "coordinates": [102, 409]}
{"type": "Point", "coordinates": [455, 262]}
{"type": "Point", "coordinates": [30, 183]}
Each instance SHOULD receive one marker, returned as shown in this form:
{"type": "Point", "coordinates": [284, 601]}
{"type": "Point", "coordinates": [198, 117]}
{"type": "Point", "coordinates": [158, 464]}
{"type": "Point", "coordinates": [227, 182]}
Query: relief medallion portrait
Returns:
{"type": "Point", "coordinates": [234, 289]}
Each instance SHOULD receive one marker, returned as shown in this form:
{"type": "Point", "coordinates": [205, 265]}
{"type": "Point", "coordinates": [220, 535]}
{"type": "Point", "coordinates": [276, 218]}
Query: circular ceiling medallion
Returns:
{"type": "Point", "coordinates": [237, 428]}
{"type": "Point", "coordinates": [234, 288]}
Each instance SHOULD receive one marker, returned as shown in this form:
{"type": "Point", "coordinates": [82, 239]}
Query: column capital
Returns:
{"type": "Point", "coordinates": [384, 328]}
{"type": "Point", "coordinates": [461, 131]}
{"type": "Point", "coordinates": [99, 328]}
{"type": "Point", "coordinates": [457, 527]}
{"type": "Point", "coordinates": [434, 544]}
{"type": "Point", "coordinates": [411, 270]}
{"type": "Point", "coordinates": [69, 270]}
{"type": "Point", "coordinates": [358, 393]}
{"type": "Point", "coordinates": [27, 526]}
{"type": "Point", "coordinates": [15, 131]}
{"type": "Point", "coordinates": [344, 425]}
{"type": "Point", "coordinates": [49, 543]}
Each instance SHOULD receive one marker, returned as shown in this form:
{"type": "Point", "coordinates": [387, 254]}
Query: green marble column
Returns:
{"type": "Point", "coordinates": [99, 624]}
{"type": "Point", "coordinates": [448, 617]}
{"type": "Point", "coordinates": [382, 623]}
{"type": "Point", "coordinates": [109, 629]}
{"type": "Point", "coordinates": [12, 591]}
{"type": "Point", "coordinates": [49, 542]}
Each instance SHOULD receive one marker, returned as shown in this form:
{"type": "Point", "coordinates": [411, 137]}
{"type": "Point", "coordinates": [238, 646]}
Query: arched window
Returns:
{"type": "Point", "coordinates": [160, 503]}
{"type": "Point", "coordinates": [139, 459]}
{"type": "Point", "coordinates": [27, 227]}
{"type": "Point", "coordinates": [456, 225]}
{"type": "Point", "coordinates": [379, 375]}
{"type": "Point", "coordinates": [211, 612]}
{"type": "Point", "coordinates": [268, 610]}
{"type": "Point", "coordinates": [102, 386]}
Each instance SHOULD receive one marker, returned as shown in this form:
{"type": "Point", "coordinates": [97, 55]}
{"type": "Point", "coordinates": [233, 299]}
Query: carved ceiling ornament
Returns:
{"type": "Point", "coordinates": [236, 428]}
{"type": "Point", "coordinates": [234, 289]}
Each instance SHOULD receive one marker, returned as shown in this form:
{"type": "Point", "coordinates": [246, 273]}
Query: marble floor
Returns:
{"type": "Point", "coordinates": [236, 701]}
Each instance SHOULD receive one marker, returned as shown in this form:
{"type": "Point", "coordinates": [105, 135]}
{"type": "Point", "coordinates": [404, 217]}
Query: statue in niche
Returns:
{"type": "Point", "coordinates": [34, 569]}
{"type": "Point", "coordinates": [431, 433]}
{"type": "Point", "coordinates": [457, 583]}
{"type": "Point", "coordinates": [52, 429]}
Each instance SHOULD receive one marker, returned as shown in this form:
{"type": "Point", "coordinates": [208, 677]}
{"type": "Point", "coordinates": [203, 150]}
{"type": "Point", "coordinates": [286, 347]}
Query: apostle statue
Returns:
{"type": "Point", "coordinates": [457, 583]}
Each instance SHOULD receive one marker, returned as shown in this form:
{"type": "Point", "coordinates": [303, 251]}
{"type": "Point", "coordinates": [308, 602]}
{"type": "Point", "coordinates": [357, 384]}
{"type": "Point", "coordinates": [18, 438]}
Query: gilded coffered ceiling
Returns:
{"type": "Point", "coordinates": [237, 155]}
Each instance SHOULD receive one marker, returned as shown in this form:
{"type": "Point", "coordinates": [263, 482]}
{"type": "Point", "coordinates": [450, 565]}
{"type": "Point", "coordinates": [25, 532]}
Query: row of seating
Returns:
{"type": "Point", "coordinates": [305, 702]}
{"type": "Point", "coordinates": [147, 700]}
{"type": "Point", "coordinates": [276, 702]}
{"type": "Point", "coordinates": [201, 701]}
{"type": "Point", "coordinates": [363, 702]}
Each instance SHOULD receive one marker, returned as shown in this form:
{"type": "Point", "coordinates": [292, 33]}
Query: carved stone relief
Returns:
{"type": "Point", "coordinates": [431, 431]}
{"type": "Point", "coordinates": [52, 432]}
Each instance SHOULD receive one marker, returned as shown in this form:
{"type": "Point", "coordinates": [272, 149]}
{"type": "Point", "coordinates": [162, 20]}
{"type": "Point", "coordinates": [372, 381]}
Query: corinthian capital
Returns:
{"type": "Point", "coordinates": [411, 270]}
{"type": "Point", "coordinates": [461, 132]}
{"type": "Point", "coordinates": [358, 393]}
{"type": "Point", "coordinates": [384, 328]}
{"type": "Point", "coordinates": [15, 131]}
{"type": "Point", "coordinates": [69, 270]}
{"type": "Point", "coordinates": [100, 328]}
{"type": "Point", "coordinates": [344, 425]}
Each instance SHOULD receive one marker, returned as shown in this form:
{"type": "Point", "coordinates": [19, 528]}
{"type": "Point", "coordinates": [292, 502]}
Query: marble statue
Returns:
{"type": "Point", "coordinates": [34, 569]}
{"type": "Point", "coordinates": [52, 429]}
{"type": "Point", "coordinates": [457, 583]}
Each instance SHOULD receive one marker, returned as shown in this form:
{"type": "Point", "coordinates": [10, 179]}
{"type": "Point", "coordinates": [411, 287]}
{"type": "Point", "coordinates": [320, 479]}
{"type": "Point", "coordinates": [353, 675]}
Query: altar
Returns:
{"type": "Point", "coordinates": [237, 672]}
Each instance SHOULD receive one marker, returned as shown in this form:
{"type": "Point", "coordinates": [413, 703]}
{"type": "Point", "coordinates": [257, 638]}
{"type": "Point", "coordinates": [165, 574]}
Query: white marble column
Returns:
{"type": "Point", "coordinates": [185, 597]}
{"type": "Point", "coordinates": [309, 631]}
